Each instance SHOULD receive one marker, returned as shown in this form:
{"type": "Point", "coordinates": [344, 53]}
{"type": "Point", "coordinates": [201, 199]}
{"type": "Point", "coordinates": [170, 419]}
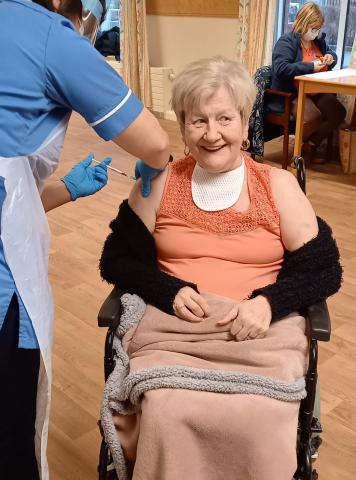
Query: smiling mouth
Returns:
{"type": "Point", "coordinates": [212, 149]}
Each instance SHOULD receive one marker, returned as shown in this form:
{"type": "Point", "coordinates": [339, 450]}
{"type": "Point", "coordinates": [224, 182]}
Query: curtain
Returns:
{"type": "Point", "coordinates": [242, 36]}
{"type": "Point", "coordinates": [256, 32]}
{"type": "Point", "coordinates": [134, 48]}
{"type": "Point", "coordinates": [270, 27]}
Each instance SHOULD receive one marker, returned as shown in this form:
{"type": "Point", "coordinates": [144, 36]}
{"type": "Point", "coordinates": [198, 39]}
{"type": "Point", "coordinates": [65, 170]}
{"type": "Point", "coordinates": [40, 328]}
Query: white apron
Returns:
{"type": "Point", "coordinates": [25, 236]}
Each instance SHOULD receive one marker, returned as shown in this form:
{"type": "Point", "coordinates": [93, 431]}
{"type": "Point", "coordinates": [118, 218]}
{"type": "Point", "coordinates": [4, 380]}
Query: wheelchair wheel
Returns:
{"type": "Point", "coordinates": [106, 467]}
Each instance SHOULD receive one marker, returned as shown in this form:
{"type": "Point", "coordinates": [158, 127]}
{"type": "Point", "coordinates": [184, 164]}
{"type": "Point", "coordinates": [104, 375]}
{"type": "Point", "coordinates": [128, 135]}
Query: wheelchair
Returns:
{"type": "Point", "coordinates": [318, 328]}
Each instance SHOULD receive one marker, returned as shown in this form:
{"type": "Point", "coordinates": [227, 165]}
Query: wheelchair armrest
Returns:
{"type": "Point", "coordinates": [272, 91]}
{"type": "Point", "coordinates": [111, 309]}
{"type": "Point", "coordinates": [318, 322]}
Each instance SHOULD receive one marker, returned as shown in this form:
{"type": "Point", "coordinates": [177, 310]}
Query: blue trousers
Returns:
{"type": "Point", "coordinates": [19, 368]}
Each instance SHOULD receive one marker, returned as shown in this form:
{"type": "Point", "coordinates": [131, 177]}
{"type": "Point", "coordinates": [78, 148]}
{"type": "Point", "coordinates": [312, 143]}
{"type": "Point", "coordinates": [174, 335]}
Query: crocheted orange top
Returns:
{"type": "Point", "coordinates": [226, 252]}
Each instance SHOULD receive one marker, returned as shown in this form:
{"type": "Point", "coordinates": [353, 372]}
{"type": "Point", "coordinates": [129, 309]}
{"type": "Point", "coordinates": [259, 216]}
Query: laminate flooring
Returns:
{"type": "Point", "coordinates": [78, 232]}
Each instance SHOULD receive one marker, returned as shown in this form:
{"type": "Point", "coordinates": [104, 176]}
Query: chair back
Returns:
{"type": "Point", "coordinates": [262, 79]}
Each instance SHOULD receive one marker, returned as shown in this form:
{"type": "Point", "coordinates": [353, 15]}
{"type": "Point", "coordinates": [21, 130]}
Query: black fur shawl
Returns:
{"type": "Point", "coordinates": [129, 260]}
{"type": "Point", "coordinates": [308, 275]}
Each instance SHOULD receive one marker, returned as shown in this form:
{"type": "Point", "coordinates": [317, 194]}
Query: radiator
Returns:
{"type": "Point", "coordinates": [161, 84]}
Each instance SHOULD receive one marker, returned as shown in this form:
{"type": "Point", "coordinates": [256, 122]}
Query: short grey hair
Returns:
{"type": "Point", "coordinates": [201, 78]}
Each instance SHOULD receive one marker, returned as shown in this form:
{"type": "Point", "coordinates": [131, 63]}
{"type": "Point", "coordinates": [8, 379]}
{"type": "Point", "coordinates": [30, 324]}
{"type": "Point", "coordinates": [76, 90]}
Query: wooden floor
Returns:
{"type": "Point", "coordinates": [78, 233]}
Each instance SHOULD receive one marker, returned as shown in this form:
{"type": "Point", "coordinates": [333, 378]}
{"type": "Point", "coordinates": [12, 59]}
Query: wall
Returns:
{"type": "Point", "coordinates": [175, 41]}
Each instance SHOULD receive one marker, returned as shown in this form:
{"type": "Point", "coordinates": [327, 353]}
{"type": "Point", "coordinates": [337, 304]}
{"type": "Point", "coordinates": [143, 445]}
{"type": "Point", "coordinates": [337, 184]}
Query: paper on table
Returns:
{"type": "Point", "coordinates": [344, 72]}
{"type": "Point", "coordinates": [352, 63]}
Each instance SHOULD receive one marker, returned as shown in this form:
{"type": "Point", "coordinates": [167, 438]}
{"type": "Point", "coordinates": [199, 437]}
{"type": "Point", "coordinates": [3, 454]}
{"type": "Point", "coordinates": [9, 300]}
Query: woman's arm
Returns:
{"type": "Point", "coordinates": [283, 60]}
{"type": "Point", "coordinates": [329, 52]}
{"type": "Point", "coordinates": [54, 195]}
{"type": "Point", "coordinates": [147, 207]}
{"type": "Point", "coordinates": [129, 258]}
{"type": "Point", "coordinates": [311, 270]}
{"type": "Point", "coordinates": [298, 221]}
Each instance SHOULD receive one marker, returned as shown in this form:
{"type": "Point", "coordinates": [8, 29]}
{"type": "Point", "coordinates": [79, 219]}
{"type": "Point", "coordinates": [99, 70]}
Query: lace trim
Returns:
{"type": "Point", "coordinates": [177, 201]}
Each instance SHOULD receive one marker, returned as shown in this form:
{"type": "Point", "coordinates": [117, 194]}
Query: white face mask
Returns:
{"type": "Point", "coordinates": [310, 35]}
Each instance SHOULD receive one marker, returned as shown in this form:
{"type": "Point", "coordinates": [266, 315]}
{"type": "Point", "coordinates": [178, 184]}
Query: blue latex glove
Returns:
{"type": "Point", "coordinates": [85, 179]}
{"type": "Point", "coordinates": [146, 173]}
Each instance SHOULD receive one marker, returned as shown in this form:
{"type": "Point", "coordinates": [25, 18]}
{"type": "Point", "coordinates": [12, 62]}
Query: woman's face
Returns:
{"type": "Point", "coordinates": [214, 133]}
{"type": "Point", "coordinates": [312, 32]}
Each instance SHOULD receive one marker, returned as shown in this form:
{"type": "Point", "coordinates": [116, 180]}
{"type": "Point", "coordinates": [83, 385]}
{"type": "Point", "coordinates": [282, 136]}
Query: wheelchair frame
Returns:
{"type": "Point", "coordinates": [318, 328]}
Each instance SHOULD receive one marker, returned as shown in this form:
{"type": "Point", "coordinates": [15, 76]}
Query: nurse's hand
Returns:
{"type": "Point", "coordinates": [146, 173]}
{"type": "Point", "coordinates": [85, 179]}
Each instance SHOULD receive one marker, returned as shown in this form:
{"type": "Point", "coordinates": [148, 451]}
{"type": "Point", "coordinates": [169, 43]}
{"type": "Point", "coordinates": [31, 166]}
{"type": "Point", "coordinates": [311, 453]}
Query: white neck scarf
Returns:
{"type": "Point", "coordinates": [217, 191]}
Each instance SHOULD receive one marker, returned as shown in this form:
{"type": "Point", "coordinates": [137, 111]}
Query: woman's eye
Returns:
{"type": "Point", "coordinates": [199, 122]}
{"type": "Point", "coordinates": [224, 120]}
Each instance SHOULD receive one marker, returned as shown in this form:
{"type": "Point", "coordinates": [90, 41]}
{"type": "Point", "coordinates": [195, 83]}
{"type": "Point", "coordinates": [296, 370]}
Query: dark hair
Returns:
{"type": "Point", "coordinates": [69, 8]}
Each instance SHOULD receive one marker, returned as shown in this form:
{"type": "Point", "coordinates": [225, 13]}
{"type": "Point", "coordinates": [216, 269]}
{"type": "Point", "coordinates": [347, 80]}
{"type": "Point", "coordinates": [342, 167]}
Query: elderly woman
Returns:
{"type": "Point", "coordinates": [224, 252]}
{"type": "Point", "coordinates": [301, 52]}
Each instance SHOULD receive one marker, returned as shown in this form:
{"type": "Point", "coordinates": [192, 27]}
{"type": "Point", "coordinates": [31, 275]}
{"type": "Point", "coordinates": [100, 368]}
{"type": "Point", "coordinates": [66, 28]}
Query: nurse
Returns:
{"type": "Point", "coordinates": [48, 70]}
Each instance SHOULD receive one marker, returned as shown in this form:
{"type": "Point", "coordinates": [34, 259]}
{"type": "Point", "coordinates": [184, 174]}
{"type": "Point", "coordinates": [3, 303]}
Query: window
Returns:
{"type": "Point", "coordinates": [112, 18]}
{"type": "Point", "coordinates": [108, 39]}
{"type": "Point", "coordinates": [350, 32]}
{"type": "Point", "coordinates": [340, 24]}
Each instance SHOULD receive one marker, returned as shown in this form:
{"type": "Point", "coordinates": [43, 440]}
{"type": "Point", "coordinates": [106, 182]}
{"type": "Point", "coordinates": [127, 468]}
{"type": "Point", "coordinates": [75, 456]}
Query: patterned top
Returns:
{"type": "Point", "coordinates": [178, 201]}
{"type": "Point", "coordinates": [226, 252]}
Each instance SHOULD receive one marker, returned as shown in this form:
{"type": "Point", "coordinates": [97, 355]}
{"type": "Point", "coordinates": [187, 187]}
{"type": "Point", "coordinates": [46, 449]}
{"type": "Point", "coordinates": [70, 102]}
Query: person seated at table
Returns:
{"type": "Point", "coordinates": [228, 251]}
{"type": "Point", "coordinates": [300, 52]}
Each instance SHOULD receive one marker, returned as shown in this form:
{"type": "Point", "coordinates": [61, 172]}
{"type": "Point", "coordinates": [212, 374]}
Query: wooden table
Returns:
{"type": "Point", "coordinates": [341, 81]}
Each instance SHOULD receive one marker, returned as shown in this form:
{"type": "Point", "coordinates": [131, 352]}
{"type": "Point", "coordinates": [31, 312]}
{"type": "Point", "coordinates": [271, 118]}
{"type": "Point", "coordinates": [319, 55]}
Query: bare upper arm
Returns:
{"type": "Point", "coordinates": [297, 217]}
{"type": "Point", "coordinates": [147, 207]}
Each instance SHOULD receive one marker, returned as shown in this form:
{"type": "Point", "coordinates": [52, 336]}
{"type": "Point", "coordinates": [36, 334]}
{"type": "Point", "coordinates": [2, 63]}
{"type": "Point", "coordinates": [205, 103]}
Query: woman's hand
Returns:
{"type": "Point", "coordinates": [190, 305]}
{"type": "Point", "coordinates": [327, 59]}
{"type": "Point", "coordinates": [250, 318]}
{"type": "Point", "coordinates": [318, 66]}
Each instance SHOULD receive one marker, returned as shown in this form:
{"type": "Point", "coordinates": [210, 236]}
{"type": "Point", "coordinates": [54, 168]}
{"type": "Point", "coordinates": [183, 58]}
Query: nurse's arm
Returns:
{"type": "Point", "coordinates": [54, 195]}
{"type": "Point", "coordinates": [145, 139]}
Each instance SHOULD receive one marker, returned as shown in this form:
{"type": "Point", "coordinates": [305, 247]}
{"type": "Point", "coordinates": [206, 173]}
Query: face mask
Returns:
{"type": "Point", "coordinates": [92, 13]}
{"type": "Point", "coordinates": [310, 35]}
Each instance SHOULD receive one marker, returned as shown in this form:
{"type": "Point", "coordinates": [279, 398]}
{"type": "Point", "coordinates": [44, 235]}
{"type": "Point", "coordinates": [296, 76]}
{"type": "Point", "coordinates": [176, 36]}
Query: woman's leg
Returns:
{"type": "Point", "coordinates": [312, 117]}
{"type": "Point", "coordinates": [215, 436]}
{"type": "Point", "coordinates": [333, 113]}
{"type": "Point", "coordinates": [19, 370]}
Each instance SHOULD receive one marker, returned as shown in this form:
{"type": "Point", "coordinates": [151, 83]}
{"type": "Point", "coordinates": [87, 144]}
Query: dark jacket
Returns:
{"type": "Point", "coordinates": [108, 43]}
{"type": "Point", "coordinates": [129, 261]}
{"type": "Point", "coordinates": [287, 60]}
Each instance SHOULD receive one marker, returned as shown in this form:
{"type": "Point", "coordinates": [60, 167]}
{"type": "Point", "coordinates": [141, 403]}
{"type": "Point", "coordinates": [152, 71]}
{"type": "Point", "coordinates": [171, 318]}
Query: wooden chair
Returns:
{"type": "Point", "coordinates": [271, 123]}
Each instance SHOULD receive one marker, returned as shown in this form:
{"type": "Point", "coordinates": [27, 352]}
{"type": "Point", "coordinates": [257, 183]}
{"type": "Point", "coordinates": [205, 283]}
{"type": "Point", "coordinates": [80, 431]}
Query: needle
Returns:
{"type": "Point", "coordinates": [117, 171]}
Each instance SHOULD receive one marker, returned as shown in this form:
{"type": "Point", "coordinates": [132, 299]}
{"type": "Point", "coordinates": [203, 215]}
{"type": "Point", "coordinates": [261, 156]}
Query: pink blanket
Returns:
{"type": "Point", "coordinates": [196, 404]}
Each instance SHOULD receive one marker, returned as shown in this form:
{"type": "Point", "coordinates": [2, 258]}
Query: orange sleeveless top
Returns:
{"type": "Point", "coordinates": [226, 252]}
